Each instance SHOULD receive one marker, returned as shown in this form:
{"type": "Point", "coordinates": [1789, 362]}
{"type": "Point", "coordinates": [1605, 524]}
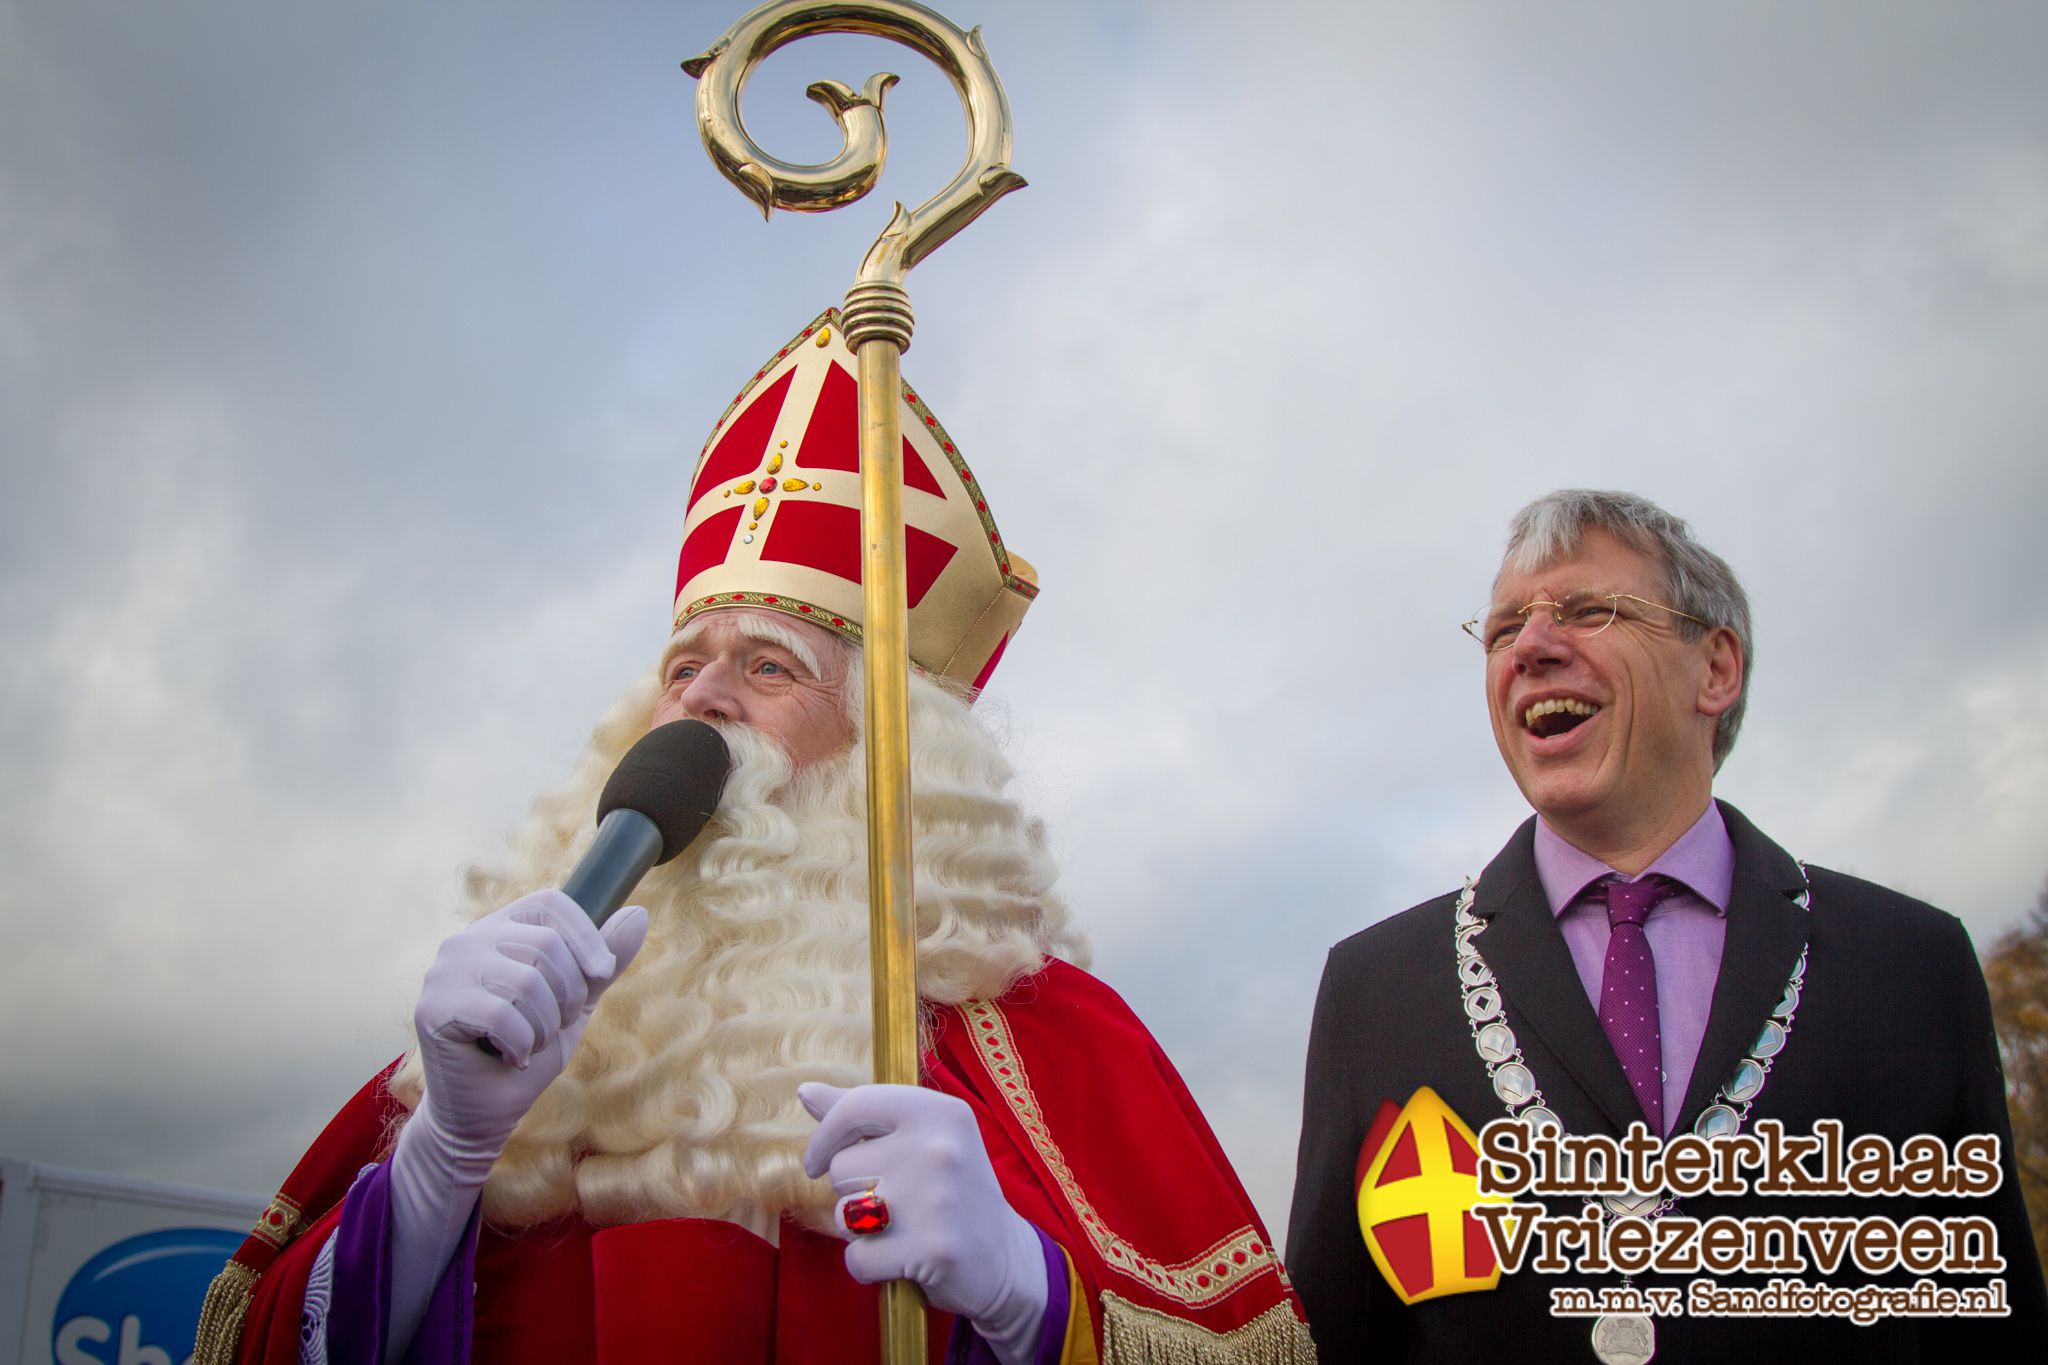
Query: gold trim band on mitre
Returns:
{"type": "Point", "coordinates": [801, 610]}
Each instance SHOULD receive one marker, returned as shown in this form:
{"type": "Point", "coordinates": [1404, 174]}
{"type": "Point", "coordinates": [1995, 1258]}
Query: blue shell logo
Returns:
{"type": "Point", "coordinates": [137, 1302]}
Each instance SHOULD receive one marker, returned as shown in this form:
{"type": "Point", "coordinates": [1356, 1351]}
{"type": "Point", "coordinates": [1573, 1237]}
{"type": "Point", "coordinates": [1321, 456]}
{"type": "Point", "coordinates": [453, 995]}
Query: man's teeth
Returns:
{"type": "Point", "coordinates": [1566, 705]}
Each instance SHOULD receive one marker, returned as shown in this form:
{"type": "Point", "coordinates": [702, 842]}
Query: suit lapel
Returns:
{"type": "Point", "coordinates": [1528, 955]}
{"type": "Point", "coordinates": [1766, 933]}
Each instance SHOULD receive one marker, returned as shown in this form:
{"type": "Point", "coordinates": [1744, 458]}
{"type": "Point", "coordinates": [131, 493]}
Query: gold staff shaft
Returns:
{"type": "Point", "coordinates": [877, 325]}
{"type": "Point", "coordinates": [892, 912]}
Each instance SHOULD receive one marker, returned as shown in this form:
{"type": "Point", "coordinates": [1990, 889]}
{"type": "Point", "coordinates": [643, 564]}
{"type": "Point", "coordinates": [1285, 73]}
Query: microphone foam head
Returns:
{"type": "Point", "coordinates": [673, 776]}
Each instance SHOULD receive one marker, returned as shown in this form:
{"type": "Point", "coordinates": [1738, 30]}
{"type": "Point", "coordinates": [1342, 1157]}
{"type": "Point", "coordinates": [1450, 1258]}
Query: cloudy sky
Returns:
{"type": "Point", "coordinates": [352, 361]}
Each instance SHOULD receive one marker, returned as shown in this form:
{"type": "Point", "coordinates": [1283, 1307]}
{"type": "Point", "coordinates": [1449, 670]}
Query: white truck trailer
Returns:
{"type": "Point", "coordinates": [100, 1269]}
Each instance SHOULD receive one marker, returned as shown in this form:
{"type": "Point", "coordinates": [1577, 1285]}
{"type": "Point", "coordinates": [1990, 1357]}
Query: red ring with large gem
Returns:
{"type": "Point", "coordinates": [866, 1214]}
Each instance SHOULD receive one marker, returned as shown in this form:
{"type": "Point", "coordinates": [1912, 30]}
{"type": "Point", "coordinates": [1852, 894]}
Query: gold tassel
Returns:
{"type": "Point", "coordinates": [1132, 1335]}
{"type": "Point", "coordinates": [222, 1314]}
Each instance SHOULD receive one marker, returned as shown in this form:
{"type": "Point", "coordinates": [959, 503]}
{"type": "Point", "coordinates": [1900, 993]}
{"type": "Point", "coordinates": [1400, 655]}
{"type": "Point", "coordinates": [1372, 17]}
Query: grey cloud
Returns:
{"type": "Point", "coordinates": [351, 366]}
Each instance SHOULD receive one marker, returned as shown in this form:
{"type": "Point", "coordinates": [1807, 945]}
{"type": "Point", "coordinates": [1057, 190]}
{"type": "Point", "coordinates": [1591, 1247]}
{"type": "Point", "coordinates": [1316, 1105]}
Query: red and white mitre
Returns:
{"type": "Point", "coordinates": [774, 516]}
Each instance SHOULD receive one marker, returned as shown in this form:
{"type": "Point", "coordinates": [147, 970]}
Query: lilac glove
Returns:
{"type": "Point", "coordinates": [527, 977]}
{"type": "Point", "coordinates": [950, 1229]}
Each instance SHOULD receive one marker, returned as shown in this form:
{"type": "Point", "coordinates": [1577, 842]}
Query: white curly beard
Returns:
{"type": "Point", "coordinates": [681, 1099]}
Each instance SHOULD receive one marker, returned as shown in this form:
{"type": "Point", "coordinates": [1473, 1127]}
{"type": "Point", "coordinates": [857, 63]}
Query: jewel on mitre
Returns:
{"type": "Point", "coordinates": [775, 509]}
{"type": "Point", "coordinates": [1417, 1182]}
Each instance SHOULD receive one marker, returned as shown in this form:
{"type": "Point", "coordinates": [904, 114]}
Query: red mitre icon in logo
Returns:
{"type": "Point", "coordinates": [1418, 1180]}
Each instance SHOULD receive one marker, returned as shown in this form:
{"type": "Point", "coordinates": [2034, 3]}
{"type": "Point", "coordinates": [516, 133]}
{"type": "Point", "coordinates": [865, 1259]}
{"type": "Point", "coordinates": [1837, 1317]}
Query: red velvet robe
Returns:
{"type": "Point", "coordinates": [1089, 1128]}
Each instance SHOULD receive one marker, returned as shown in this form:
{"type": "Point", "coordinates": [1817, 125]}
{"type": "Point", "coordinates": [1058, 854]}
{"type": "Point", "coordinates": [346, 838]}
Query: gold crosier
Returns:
{"type": "Point", "coordinates": [876, 323]}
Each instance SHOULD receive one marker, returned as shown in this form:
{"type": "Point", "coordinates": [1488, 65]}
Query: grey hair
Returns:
{"type": "Point", "coordinates": [1694, 579]}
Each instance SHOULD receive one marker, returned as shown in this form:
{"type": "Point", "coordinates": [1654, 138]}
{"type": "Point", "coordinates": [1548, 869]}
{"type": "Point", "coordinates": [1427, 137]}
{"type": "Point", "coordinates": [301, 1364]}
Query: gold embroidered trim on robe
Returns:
{"type": "Point", "coordinates": [1205, 1278]}
{"type": "Point", "coordinates": [280, 1222]}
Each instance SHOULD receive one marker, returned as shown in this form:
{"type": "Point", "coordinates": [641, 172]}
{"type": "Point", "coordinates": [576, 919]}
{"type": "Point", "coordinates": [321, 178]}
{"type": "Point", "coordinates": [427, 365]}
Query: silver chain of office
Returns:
{"type": "Point", "coordinates": [1618, 1338]}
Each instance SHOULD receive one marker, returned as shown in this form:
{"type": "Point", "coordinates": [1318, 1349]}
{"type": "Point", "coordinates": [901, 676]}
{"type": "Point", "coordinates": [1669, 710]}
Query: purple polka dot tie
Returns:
{"type": "Point", "coordinates": [1628, 988]}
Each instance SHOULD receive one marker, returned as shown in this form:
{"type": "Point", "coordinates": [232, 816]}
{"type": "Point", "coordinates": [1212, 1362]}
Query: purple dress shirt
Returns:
{"type": "Point", "coordinates": [1686, 932]}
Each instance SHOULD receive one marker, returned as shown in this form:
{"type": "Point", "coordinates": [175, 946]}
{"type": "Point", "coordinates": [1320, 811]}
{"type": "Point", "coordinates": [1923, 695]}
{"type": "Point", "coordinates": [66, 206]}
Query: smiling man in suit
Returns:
{"type": "Point", "coordinates": [1640, 953]}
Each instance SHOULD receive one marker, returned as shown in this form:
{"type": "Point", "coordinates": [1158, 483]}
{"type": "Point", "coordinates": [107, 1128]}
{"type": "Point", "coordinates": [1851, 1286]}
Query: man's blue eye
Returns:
{"type": "Point", "coordinates": [683, 674]}
{"type": "Point", "coordinates": [770, 666]}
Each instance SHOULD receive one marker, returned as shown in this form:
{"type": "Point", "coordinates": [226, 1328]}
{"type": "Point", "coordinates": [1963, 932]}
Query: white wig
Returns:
{"type": "Point", "coordinates": [681, 1099]}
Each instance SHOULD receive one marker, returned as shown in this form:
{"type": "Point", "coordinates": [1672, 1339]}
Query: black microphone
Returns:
{"type": "Point", "coordinates": [659, 798]}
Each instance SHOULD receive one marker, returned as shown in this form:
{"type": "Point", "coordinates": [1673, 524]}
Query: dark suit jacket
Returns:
{"type": "Point", "coordinates": [1892, 1035]}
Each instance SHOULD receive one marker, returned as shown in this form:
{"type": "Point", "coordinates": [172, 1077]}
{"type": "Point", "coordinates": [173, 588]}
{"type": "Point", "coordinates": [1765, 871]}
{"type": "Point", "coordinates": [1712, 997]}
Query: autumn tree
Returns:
{"type": "Point", "coordinates": [2016, 969]}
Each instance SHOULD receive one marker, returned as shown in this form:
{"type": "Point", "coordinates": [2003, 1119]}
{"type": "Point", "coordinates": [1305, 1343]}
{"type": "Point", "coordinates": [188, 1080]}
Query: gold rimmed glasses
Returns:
{"type": "Point", "coordinates": [1580, 614]}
